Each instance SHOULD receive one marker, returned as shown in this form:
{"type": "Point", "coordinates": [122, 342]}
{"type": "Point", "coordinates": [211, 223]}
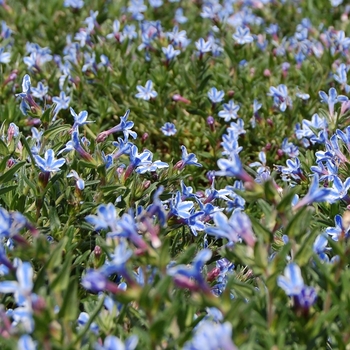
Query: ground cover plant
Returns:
{"type": "Point", "coordinates": [174, 174]}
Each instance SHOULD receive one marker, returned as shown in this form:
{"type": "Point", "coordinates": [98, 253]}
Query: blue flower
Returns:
{"type": "Point", "coordinates": [116, 263]}
{"type": "Point", "coordinates": [215, 96]}
{"type": "Point", "coordinates": [261, 165]}
{"type": "Point", "coordinates": [187, 192]}
{"type": "Point", "coordinates": [79, 119]}
{"type": "Point", "coordinates": [123, 147]}
{"type": "Point", "coordinates": [5, 57]}
{"type": "Point", "coordinates": [106, 217]}
{"type": "Point", "coordinates": [76, 4]}
{"type": "Point", "coordinates": [230, 142]}
{"type": "Point", "coordinates": [62, 102]}
{"type": "Point", "coordinates": [339, 230]}
{"type": "Point", "coordinates": [147, 92]}
{"type": "Point", "coordinates": [179, 16]}
{"type": "Point", "coordinates": [116, 32]}
{"type": "Point", "coordinates": [157, 207]}
{"type": "Point", "coordinates": [187, 159]}
{"type": "Point", "coordinates": [325, 172]}
{"type": "Point", "coordinates": [238, 127]}
{"type": "Point", "coordinates": [95, 281]}
{"type": "Point", "coordinates": [40, 91]}
{"type": "Point", "coordinates": [233, 229]}
{"type": "Point", "coordinates": [79, 181]}
{"type": "Point", "coordinates": [180, 208]}
{"type": "Point", "coordinates": [331, 99]}
{"type": "Point", "coordinates": [178, 38]}
{"type": "Point", "coordinates": [308, 126]}
{"type": "Point", "coordinates": [210, 335]}
{"type": "Point", "coordinates": [195, 223]}
{"type": "Point", "coordinates": [170, 52]}
{"type": "Point", "coordinates": [27, 99]}
{"type": "Point", "coordinates": [49, 163]}
{"type": "Point", "coordinates": [112, 342]}
{"type": "Point", "coordinates": [151, 167]}
{"type": "Point", "coordinates": [315, 194]}
{"type": "Point", "coordinates": [125, 126]}
{"type": "Point", "coordinates": [243, 36]}
{"type": "Point", "coordinates": [129, 32]}
{"type": "Point", "coordinates": [292, 282]}
{"type": "Point", "coordinates": [229, 112]}
{"type": "Point", "coordinates": [25, 342]}
{"type": "Point", "coordinates": [142, 160]}
{"type": "Point", "coordinates": [82, 321]}
{"type": "Point", "coordinates": [127, 228]}
{"type": "Point", "coordinates": [340, 189]}
{"type": "Point", "coordinates": [11, 223]}
{"type": "Point", "coordinates": [233, 167]}
{"type": "Point", "coordinates": [75, 143]}
{"type": "Point", "coordinates": [341, 76]}
{"type": "Point", "coordinates": [345, 136]}
{"type": "Point", "coordinates": [22, 288]}
{"type": "Point", "coordinates": [169, 129]}
{"type": "Point", "coordinates": [280, 97]}
{"type": "Point", "coordinates": [183, 273]}
{"type": "Point", "coordinates": [320, 246]}
{"type": "Point", "coordinates": [203, 46]}
{"type": "Point", "coordinates": [293, 169]}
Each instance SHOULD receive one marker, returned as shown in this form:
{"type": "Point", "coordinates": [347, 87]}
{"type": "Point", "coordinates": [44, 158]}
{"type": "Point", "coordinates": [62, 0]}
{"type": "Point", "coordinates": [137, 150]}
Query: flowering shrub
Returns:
{"type": "Point", "coordinates": [174, 174]}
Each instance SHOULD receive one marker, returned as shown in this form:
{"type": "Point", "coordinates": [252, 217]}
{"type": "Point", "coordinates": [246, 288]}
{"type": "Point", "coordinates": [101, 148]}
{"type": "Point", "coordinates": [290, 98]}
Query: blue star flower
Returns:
{"type": "Point", "coordinates": [215, 96]}
{"type": "Point", "coordinates": [147, 92]}
{"type": "Point", "coordinates": [62, 102]}
{"type": "Point", "coordinates": [187, 159]}
{"type": "Point", "coordinates": [292, 282]}
{"type": "Point", "coordinates": [79, 119]}
{"type": "Point", "coordinates": [243, 36]}
{"type": "Point", "coordinates": [169, 129]}
{"type": "Point", "coordinates": [49, 163]}
{"type": "Point", "coordinates": [229, 112]}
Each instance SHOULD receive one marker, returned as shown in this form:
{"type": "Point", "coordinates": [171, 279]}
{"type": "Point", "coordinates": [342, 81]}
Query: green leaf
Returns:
{"type": "Point", "coordinates": [53, 132]}
{"type": "Point", "coordinates": [6, 189]}
{"type": "Point", "coordinates": [187, 255]}
{"type": "Point", "coordinates": [69, 309]}
{"type": "Point", "coordinates": [55, 223]}
{"type": "Point", "coordinates": [56, 255]}
{"type": "Point", "coordinates": [60, 282]}
{"type": "Point", "coordinates": [3, 148]}
{"type": "Point", "coordinates": [204, 83]}
{"type": "Point", "coordinates": [299, 223]}
{"type": "Point", "coordinates": [8, 176]}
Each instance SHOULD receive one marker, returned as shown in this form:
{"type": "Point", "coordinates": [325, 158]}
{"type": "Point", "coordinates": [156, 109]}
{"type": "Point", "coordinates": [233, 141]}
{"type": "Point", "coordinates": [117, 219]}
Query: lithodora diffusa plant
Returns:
{"type": "Point", "coordinates": [174, 175]}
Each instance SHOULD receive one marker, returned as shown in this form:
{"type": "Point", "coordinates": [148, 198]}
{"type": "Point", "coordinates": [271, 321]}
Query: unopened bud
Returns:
{"type": "Point", "coordinates": [180, 98]}
{"type": "Point", "coordinates": [146, 184]}
{"type": "Point", "coordinates": [267, 73]}
{"type": "Point", "coordinates": [213, 274]}
{"type": "Point", "coordinates": [280, 153]}
{"type": "Point", "coordinates": [10, 163]}
{"type": "Point", "coordinates": [144, 137]}
{"type": "Point", "coordinates": [97, 252]}
{"type": "Point", "coordinates": [211, 123]}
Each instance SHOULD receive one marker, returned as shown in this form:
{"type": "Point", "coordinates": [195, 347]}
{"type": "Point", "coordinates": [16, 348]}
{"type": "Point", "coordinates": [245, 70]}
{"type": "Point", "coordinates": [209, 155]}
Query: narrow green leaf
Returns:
{"type": "Point", "coordinates": [69, 310]}
{"type": "Point", "coordinates": [11, 172]}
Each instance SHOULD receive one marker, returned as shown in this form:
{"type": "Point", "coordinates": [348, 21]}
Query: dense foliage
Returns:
{"type": "Point", "coordinates": [173, 174]}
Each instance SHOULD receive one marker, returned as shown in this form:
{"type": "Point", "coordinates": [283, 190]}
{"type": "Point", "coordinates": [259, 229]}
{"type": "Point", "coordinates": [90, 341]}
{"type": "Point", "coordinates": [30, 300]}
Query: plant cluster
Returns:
{"type": "Point", "coordinates": [174, 174]}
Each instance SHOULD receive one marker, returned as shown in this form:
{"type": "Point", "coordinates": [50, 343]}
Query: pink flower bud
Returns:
{"type": "Point", "coordinates": [179, 98]}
